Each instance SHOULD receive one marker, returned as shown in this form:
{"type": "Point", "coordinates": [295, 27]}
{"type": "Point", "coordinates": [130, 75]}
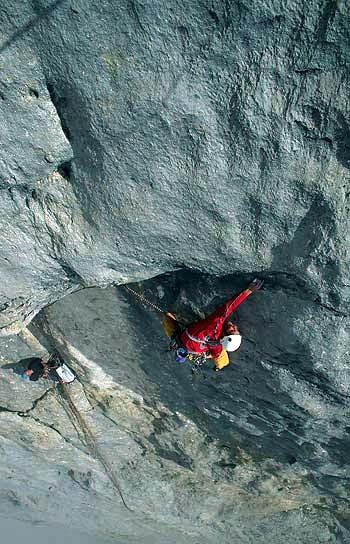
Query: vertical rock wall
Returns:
{"type": "Point", "coordinates": [140, 138]}
{"type": "Point", "coordinates": [210, 136]}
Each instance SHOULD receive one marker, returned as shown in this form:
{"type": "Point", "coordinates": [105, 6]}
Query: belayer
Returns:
{"type": "Point", "coordinates": [209, 338]}
{"type": "Point", "coordinates": [54, 368]}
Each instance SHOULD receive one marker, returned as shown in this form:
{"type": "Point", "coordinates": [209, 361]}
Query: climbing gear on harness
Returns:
{"type": "Point", "coordinates": [198, 361]}
{"type": "Point", "coordinates": [231, 342]}
{"type": "Point", "coordinates": [181, 355]}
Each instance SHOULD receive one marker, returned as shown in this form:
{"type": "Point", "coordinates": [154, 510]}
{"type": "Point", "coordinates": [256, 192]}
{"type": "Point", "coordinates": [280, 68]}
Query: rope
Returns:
{"type": "Point", "coordinates": [92, 445]}
{"type": "Point", "coordinates": [75, 415]}
{"type": "Point", "coordinates": [143, 299]}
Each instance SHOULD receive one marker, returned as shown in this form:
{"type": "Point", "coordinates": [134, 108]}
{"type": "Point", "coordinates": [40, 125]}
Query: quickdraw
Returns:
{"type": "Point", "coordinates": [198, 361]}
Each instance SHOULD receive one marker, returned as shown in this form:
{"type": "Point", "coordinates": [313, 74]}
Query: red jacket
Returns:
{"type": "Point", "coordinates": [210, 328]}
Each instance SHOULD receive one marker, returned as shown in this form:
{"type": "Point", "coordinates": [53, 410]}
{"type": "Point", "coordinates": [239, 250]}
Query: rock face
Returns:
{"type": "Point", "coordinates": [144, 138]}
{"type": "Point", "coordinates": [209, 136]}
{"type": "Point", "coordinates": [259, 448]}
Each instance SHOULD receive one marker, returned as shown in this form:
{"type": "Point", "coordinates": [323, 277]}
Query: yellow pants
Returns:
{"type": "Point", "coordinates": [222, 361]}
{"type": "Point", "coordinates": [170, 327]}
{"type": "Point", "coordinates": [169, 324]}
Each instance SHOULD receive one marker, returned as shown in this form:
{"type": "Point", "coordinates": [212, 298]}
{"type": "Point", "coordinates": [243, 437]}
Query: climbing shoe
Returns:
{"type": "Point", "coordinates": [256, 284]}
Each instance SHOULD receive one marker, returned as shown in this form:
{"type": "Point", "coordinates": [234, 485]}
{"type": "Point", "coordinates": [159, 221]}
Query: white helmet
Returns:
{"type": "Point", "coordinates": [231, 342]}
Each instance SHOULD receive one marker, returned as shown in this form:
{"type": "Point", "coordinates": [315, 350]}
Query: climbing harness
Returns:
{"type": "Point", "coordinates": [203, 342]}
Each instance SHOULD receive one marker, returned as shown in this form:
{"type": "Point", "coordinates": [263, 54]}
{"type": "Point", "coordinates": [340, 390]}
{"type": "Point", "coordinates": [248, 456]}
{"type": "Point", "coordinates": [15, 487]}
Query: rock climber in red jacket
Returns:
{"type": "Point", "coordinates": [213, 336]}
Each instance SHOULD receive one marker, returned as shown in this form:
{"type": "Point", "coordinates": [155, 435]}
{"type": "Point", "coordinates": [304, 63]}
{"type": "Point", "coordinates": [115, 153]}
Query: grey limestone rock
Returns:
{"type": "Point", "coordinates": [205, 142]}
{"type": "Point", "coordinates": [209, 136]}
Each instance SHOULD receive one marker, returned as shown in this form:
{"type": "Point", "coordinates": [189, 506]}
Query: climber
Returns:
{"type": "Point", "coordinates": [37, 369]}
{"type": "Point", "coordinates": [54, 368]}
{"type": "Point", "coordinates": [211, 337]}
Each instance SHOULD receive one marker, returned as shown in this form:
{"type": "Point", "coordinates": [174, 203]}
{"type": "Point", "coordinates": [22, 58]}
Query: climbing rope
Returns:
{"type": "Point", "coordinates": [145, 300]}
{"type": "Point", "coordinates": [75, 415]}
{"type": "Point", "coordinates": [91, 443]}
